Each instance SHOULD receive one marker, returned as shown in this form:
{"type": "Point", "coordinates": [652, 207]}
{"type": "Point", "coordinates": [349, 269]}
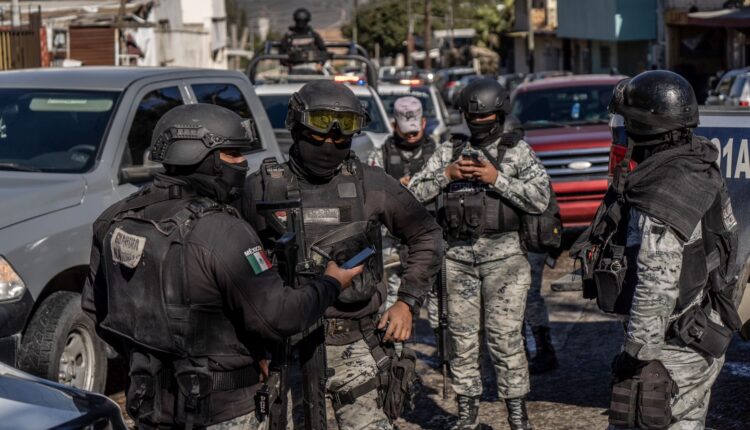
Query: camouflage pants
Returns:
{"type": "Point", "coordinates": [536, 309]}
{"type": "Point", "coordinates": [694, 375]}
{"type": "Point", "coordinates": [249, 421]}
{"type": "Point", "coordinates": [353, 365]}
{"type": "Point", "coordinates": [489, 298]}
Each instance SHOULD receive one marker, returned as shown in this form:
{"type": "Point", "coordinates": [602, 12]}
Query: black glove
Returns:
{"type": "Point", "coordinates": [625, 366]}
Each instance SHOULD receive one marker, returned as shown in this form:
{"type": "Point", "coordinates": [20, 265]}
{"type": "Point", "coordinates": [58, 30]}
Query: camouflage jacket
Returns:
{"type": "Point", "coordinates": [521, 180]}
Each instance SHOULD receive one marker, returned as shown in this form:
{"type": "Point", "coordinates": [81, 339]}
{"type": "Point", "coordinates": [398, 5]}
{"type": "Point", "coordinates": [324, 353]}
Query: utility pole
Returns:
{"type": "Point", "coordinates": [409, 33]}
{"type": "Point", "coordinates": [354, 23]}
{"type": "Point", "coordinates": [530, 39]}
{"type": "Point", "coordinates": [427, 33]}
{"type": "Point", "coordinates": [15, 11]}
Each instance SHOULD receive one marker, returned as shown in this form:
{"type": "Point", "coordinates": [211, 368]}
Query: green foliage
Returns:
{"type": "Point", "coordinates": [386, 21]}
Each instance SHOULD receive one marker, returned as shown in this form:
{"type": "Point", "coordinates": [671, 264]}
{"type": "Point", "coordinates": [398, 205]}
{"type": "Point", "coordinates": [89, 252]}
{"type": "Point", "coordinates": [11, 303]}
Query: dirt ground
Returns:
{"type": "Point", "coordinates": [576, 395]}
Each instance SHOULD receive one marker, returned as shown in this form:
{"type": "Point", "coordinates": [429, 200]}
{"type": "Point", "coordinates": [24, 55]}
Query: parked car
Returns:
{"type": "Point", "coordinates": [72, 143]}
{"type": "Point", "coordinates": [729, 129]}
{"type": "Point", "coordinates": [536, 76]}
{"type": "Point", "coordinates": [28, 402]}
{"type": "Point", "coordinates": [566, 122]}
{"type": "Point", "coordinates": [720, 94]}
{"type": "Point", "coordinates": [511, 80]}
{"type": "Point", "coordinates": [433, 107]}
{"type": "Point", "coordinates": [275, 100]}
{"type": "Point", "coordinates": [739, 93]}
{"type": "Point", "coordinates": [447, 79]}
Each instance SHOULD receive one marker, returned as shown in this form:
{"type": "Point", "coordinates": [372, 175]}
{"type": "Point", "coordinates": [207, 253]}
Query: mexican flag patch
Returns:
{"type": "Point", "coordinates": [257, 258]}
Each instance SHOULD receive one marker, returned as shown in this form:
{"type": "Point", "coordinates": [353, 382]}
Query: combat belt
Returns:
{"type": "Point", "coordinates": [396, 375]}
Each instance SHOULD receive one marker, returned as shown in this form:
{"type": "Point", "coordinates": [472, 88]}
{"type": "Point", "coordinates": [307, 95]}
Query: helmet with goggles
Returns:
{"type": "Point", "coordinates": [324, 106]}
{"type": "Point", "coordinates": [187, 134]}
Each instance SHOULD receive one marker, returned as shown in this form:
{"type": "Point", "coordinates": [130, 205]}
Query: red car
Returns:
{"type": "Point", "coordinates": [566, 122]}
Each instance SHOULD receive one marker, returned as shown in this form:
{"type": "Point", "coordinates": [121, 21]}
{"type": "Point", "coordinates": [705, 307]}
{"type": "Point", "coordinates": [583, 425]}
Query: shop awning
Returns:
{"type": "Point", "coordinates": [732, 18]}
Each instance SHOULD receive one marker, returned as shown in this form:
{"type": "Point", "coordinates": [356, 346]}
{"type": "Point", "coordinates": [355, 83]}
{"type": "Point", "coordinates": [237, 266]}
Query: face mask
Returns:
{"type": "Point", "coordinates": [321, 159]}
{"type": "Point", "coordinates": [218, 179]}
{"type": "Point", "coordinates": [483, 133]}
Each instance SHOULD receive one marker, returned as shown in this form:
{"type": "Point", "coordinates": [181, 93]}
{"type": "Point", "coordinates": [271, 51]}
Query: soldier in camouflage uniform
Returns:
{"type": "Point", "coordinates": [338, 193]}
{"type": "Point", "coordinates": [672, 214]}
{"type": "Point", "coordinates": [487, 271]}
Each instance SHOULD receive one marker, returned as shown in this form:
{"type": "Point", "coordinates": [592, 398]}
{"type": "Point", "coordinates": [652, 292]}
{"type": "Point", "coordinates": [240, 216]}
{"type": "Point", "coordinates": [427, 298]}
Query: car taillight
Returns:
{"type": "Point", "coordinates": [616, 155]}
{"type": "Point", "coordinates": [451, 84]}
{"type": "Point", "coordinates": [744, 103]}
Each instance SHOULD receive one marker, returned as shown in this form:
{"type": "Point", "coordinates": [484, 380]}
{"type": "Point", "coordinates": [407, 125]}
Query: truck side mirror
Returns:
{"type": "Point", "coordinates": [137, 174]}
{"type": "Point", "coordinates": [454, 117]}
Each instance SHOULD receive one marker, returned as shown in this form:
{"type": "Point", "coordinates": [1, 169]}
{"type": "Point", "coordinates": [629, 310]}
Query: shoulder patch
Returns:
{"type": "Point", "coordinates": [258, 260]}
{"type": "Point", "coordinates": [727, 216]}
{"type": "Point", "coordinates": [126, 248]}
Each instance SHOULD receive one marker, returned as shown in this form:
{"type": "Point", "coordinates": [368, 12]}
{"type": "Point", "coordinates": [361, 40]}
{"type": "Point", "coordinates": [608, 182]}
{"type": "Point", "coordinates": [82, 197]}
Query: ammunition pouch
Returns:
{"type": "Point", "coordinates": [644, 401]}
{"type": "Point", "coordinates": [469, 210]}
{"type": "Point", "coordinates": [697, 330]}
{"type": "Point", "coordinates": [542, 232]}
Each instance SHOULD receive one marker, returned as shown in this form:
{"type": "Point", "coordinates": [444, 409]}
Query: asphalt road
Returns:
{"type": "Point", "coordinates": [576, 395]}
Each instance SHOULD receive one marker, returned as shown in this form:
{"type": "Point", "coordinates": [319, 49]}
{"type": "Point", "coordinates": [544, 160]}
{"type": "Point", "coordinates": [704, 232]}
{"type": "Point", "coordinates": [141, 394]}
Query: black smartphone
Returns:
{"type": "Point", "coordinates": [360, 258]}
{"type": "Point", "coordinates": [472, 155]}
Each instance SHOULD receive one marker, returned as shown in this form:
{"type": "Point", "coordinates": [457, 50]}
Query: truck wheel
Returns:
{"type": "Point", "coordinates": [60, 344]}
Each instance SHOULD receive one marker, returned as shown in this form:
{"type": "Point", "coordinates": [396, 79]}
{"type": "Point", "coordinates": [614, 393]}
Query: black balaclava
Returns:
{"type": "Point", "coordinates": [317, 161]}
{"type": "Point", "coordinates": [482, 134]}
{"type": "Point", "coordinates": [217, 179]}
{"type": "Point", "coordinates": [402, 143]}
{"type": "Point", "coordinates": [652, 144]}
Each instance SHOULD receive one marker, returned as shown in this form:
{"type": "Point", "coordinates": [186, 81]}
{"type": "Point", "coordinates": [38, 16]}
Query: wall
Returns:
{"type": "Point", "coordinates": [607, 19]}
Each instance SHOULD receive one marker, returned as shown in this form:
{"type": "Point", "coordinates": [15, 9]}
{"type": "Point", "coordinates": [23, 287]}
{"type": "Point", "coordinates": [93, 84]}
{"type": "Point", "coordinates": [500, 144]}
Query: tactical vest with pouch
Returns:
{"type": "Point", "coordinates": [398, 166]}
{"type": "Point", "coordinates": [707, 280]}
{"type": "Point", "coordinates": [334, 220]}
{"type": "Point", "coordinates": [167, 338]}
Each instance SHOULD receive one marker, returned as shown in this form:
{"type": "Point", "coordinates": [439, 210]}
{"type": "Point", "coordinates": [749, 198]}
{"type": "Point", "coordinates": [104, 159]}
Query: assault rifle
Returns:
{"type": "Point", "coordinates": [442, 331]}
{"type": "Point", "coordinates": [291, 259]}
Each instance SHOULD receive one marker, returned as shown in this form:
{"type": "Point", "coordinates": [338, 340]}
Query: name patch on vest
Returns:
{"type": "Point", "coordinates": [127, 248]}
{"type": "Point", "coordinates": [347, 190]}
{"type": "Point", "coordinates": [322, 216]}
{"type": "Point", "coordinates": [727, 215]}
{"type": "Point", "coordinates": [258, 260]}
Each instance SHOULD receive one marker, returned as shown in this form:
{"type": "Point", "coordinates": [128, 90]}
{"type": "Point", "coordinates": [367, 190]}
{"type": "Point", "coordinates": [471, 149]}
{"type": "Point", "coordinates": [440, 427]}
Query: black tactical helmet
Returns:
{"type": "Point", "coordinates": [324, 105]}
{"type": "Point", "coordinates": [185, 135]}
{"type": "Point", "coordinates": [655, 102]}
{"type": "Point", "coordinates": [483, 96]}
{"type": "Point", "coordinates": [301, 17]}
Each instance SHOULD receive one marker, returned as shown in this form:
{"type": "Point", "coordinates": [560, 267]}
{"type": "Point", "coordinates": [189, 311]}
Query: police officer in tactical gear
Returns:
{"type": "Point", "coordinates": [483, 184]}
{"type": "Point", "coordinates": [301, 42]}
{"type": "Point", "coordinates": [189, 309]}
{"type": "Point", "coordinates": [661, 253]}
{"type": "Point", "coordinates": [338, 194]}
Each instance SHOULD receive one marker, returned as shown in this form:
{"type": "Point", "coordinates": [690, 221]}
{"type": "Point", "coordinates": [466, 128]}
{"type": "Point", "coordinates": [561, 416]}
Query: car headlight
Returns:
{"type": "Point", "coordinates": [11, 285]}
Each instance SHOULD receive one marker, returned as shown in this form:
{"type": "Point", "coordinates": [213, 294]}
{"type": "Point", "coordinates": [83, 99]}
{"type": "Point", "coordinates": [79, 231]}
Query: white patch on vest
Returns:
{"type": "Point", "coordinates": [727, 215]}
{"type": "Point", "coordinates": [127, 248]}
{"type": "Point", "coordinates": [322, 216]}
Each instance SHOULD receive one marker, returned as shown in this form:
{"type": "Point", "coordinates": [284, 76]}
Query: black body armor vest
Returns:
{"type": "Point", "coordinates": [707, 280]}
{"type": "Point", "coordinates": [302, 47]}
{"type": "Point", "coordinates": [334, 223]}
{"type": "Point", "coordinates": [470, 209]}
{"type": "Point", "coordinates": [149, 309]}
{"type": "Point", "coordinates": [398, 166]}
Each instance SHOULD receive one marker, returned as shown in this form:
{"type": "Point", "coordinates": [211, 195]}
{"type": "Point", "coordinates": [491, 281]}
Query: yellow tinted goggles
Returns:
{"type": "Point", "coordinates": [323, 121]}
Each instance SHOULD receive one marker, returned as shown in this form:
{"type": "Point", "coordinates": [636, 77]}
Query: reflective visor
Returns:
{"type": "Point", "coordinates": [323, 120]}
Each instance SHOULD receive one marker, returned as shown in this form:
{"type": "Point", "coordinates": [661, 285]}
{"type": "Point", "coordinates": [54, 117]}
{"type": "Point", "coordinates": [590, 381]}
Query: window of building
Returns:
{"type": "Point", "coordinates": [604, 54]}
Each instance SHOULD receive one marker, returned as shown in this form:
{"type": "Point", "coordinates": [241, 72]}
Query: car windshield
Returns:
{"type": "Point", "coordinates": [428, 108]}
{"type": "Point", "coordinates": [563, 107]}
{"type": "Point", "coordinates": [58, 131]}
{"type": "Point", "coordinates": [276, 107]}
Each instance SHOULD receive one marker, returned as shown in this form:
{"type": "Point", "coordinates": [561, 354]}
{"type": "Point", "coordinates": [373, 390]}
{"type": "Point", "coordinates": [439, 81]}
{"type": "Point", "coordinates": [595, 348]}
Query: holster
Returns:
{"type": "Point", "coordinates": [402, 378]}
{"type": "Point", "coordinates": [696, 330]}
{"type": "Point", "coordinates": [609, 278]}
{"type": "Point", "coordinates": [644, 401]}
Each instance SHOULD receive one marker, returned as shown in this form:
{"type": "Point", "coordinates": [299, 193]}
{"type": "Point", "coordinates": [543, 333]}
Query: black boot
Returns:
{"type": "Point", "coordinates": [545, 358]}
{"type": "Point", "coordinates": [517, 416]}
{"type": "Point", "coordinates": [468, 413]}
